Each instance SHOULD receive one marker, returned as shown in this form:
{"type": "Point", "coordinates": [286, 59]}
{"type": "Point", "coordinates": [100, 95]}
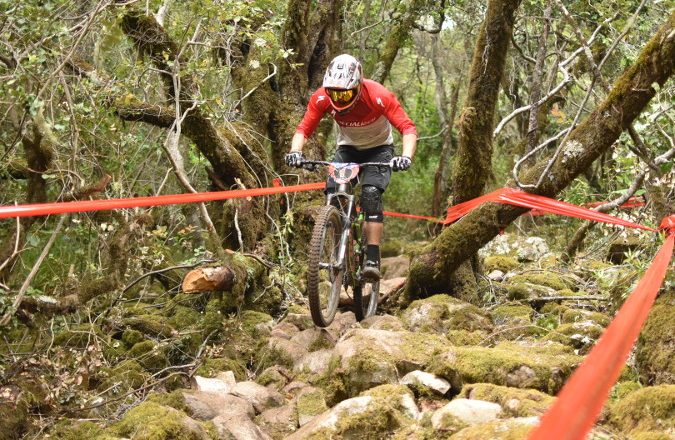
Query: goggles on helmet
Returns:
{"type": "Point", "coordinates": [342, 98]}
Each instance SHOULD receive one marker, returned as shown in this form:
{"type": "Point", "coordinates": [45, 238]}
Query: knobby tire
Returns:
{"type": "Point", "coordinates": [328, 221]}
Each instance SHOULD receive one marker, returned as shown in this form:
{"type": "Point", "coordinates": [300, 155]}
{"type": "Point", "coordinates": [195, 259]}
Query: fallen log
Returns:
{"type": "Point", "coordinates": [208, 279]}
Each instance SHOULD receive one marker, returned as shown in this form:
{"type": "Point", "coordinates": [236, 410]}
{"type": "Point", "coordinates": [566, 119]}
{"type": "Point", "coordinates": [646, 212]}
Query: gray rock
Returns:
{"type": "Point", "coordinates": [284, 330]}
{"type": "Point", "coordinates": [496, 275]}
{"type": "Point", "coordinates": [394, 267]}
{"type": "Point", "coordinates": [418, 379]}
{"type": "Point", "coordinates": [238, 427]}
{"type": "Point", "coordinates": [206, 406]}
{"type": "Point", "coordinates": [465, 412]}
{"type": "Point", "coordinates": [221, 384]}
{"type": "Point", "coordinates": [383, 322]}
{"type": "Point", "coordinates": [313, 339]}
{"type": "Point", "coordinates": [532, 249]}
{"type": "Point", "coordinates": [279, 422]}
{"type": "Point", "coordinates": [260, 397]}
{"type": "Point", "coordinates": [498, 429]}
{"type": "Point", "coordinates": [316, 362]}
{"type": "Point", "coordinates": [440, 313]}
{"type": "Point", "coordinates": [288, 349]}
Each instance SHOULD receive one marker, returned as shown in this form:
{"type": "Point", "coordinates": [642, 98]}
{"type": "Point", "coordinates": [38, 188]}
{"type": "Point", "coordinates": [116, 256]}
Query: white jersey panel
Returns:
{"type": "Point", "coordinates": [366, 134]}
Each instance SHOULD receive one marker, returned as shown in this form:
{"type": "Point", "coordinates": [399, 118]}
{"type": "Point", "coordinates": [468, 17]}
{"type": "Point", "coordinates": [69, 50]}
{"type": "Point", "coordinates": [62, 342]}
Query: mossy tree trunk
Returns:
{"type": "Point", "coordinates": [632, 91]}
{"type": "Point", "coordinates": [473, 161]}
{"type": "Point", "coordinates": [220, 147]}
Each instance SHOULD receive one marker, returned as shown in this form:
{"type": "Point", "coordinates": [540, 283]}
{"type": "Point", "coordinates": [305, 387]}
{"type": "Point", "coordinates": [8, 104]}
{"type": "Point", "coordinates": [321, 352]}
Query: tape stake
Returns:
{"type": "Point", "coordinates": [580, 401]}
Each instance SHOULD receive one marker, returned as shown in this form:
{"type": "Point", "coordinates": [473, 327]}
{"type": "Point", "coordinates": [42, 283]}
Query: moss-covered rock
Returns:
{"type": "Point", "coordinates": [132, 337]}
{"type": "Point", "coordinates": [523, 364]}
{"type": "Point", "coordinates": [174, 399]}
{"type": "Point", "coordinates": [13, 416]}
{"type": "Point", "coordinates": [510, 314]}
{"type": "Point", "coordinates": [545, 278]}
{"type": "Point", "coordinates": [214, 366]}
{"type": "Point", "coordinates": [151, 421]}
{"type": "Point", "coordinates": [465, 337]}
{"type": "Point", "coordinates": [125, 376]}
{"type": "Point", "coordinates": [310, 403]}
{"type": "Point", "coordinates": [440, 313]}
{"type": "Point", "coordinates": [519, 291]}
{"type": "Point", "coordinates": [509, 429]}
{"type": "Point", "coordinates": [577, 315]}
{"type": "Point", "coordinates": [69, 429]}
{"type": "Point", "coordinates": [623, 389]}
{"type": "Point", "coordinates": [500, 262]}
{"type": "Point", "coordinates": [149, 355]}
{"type": "Point", "coordinates": [376, 414]}
{"type": "Point", "coordinates": [152, 325]}
{"type": "Point", "coordinates": [181, 317]}
{"type": "Point", "coordinates": [515, 402]}
{"type": "Point", "coordinates": [647, 409]}
{"type": "Point", "coordinates": [655, 350]}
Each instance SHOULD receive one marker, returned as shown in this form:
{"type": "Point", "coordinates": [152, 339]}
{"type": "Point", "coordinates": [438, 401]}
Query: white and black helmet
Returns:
{"type": "Point", "coordinates": [344, 72]}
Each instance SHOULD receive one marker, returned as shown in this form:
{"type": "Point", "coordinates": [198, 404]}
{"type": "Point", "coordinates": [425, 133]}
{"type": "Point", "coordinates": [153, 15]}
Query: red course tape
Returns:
{"type": "Point", "coordinates": [580, 401]}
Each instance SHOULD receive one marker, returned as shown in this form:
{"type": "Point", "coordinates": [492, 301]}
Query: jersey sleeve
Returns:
{"type": "Point", "coordinates": [397, 116]}
{"type": "Point", "coordinates": [313, 114]}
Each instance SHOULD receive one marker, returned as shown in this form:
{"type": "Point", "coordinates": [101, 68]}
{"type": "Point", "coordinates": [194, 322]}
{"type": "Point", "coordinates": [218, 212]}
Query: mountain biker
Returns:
{"type": "Point", "coordinates": [364, 111]}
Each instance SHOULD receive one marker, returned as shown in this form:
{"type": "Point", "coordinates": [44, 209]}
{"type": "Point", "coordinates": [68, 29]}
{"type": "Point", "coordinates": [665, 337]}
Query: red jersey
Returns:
{"type": "Point", "coordinates": [367, 124]}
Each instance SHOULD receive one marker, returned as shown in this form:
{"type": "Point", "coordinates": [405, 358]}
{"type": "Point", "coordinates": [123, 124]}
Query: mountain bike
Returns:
{"type": "Point", "coordinates": [337, 248]}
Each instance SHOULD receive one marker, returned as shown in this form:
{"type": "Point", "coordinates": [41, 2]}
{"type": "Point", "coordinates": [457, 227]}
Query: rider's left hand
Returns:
{"type": "Point", "coordinates": [401, 163]}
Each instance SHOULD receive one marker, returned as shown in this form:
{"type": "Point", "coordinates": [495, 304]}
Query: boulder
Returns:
{"type": "Point", "coordinates": [515, 402]}
{"type": "Point", "coordinates": [284, 330]}
{"type": "Point", "coordinates": [524, 364]}
{"type": "Point", "coordinates": [278, 422]}
{"type": "Point", "coordinates": [461, 413]}
{"type": "Point", "coordinates": [290, 352]}
{"type": "Point", "coordinates": [395, 267]}
{"type": "Point", "coordinates": [532, 249]}
{"type": "Point", "coordinates": [423, 383]}
{"type": "Point", "coordinates": [309, 403]}
{"type": "Point", "coordinates": [237, 427]}
{"type": "Point", "coordinates": [656, 344]}
{"type": "Point", "coordinates": [440, 313]}
{"type": "Point", "coordinates": [371, 357]}
{"type": "Point", "coordinates": [499, 263]}
{"type": "Point", "coordinates": [383, 322]}
{"type": "Point", "coordinates": [259, 396]}
{"type": "Point", "coordinates": [507, 429]}
{"type": "Point", "coordinates": [377, 413]}
{"type": "Point", "coordinates": [221, 384]}
{"type": "Point", "coordinates": [207, 406]}
{"type": "Point", "coordinates": [316, 362]}
{"type": "Point", "coordinates": [150, 420]}
{"type": "Point", "coordinates": [647, 409]}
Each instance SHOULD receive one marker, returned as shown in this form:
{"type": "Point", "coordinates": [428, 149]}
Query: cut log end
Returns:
{"type": "Point", "coordinates": [208, 279]}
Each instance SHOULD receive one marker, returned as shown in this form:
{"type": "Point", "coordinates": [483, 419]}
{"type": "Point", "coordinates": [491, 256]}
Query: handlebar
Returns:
{"type": "Point", "coordinates": [311, 164]}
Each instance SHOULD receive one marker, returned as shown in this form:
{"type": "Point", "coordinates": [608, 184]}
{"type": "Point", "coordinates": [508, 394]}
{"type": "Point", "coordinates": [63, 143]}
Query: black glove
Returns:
{"type": "Point", "coordinates": [293, 159]}
{"type": "Point", "coordinates": [401, 163]}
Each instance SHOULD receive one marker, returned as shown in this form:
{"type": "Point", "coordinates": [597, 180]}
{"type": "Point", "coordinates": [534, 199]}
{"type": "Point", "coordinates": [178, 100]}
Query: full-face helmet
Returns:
{"type": "Point", "coordinates": [342, 81]}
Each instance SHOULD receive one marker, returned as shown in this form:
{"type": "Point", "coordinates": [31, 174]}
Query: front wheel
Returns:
{"type": "Point", "coordinates": [366, 295]}
{"type": "Point", "coordinates": [324, 277]}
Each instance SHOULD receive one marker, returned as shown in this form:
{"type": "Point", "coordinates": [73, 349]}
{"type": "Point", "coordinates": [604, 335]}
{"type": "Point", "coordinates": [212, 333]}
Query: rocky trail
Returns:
{"type": "Point", "coordinates": [439, 368]}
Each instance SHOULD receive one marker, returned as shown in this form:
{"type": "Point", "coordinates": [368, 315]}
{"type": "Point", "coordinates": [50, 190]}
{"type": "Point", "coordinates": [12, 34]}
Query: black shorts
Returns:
{"type": "Point", "coordinates": [378, 177]}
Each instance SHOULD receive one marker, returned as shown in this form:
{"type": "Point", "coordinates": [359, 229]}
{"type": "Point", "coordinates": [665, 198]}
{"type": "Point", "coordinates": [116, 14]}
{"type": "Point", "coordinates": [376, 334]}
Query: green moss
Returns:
{"type": "Point", "coordinates": [132, 337]}
{"type": "Point", "coordinates": [623, 389]}
{"type": "Point", "coordinates": [564, 332]}
{"type": "Point", "coordinates": [125, 376]}
{"type": "Point", "coordinates": [151, 421]}
{"type": "Point", "coordinates": [512, 314]}
{"type": "Point", "coordinates": [655, 347]}
{"type": "Point", "coordinates": [332, 382]}
{"type": "Point", "coordinates": [149, 355]}
{"type": "Point", "coordinates": [508, 429]}
{"type": "Point", "coordinates": [465, 337]}
{"type": "Point", "coordinates": [154, 325]}
{"type": "Point", "coordinates": [299, 309]}
{"type": "Point", "coordinates": [272, 376]}
{"type": "Point", "coordinates": [174, 399]}
{"type": "Point", "coordinates": [548, 279]}
{"type": "Point", "coordinates": [68, 429]}
{"type": "Point", "coordinates": [78, 336]}
{"type": "Point", "coordinates": [311, 403]}
{"type": "Point", "coordinates": [391, 248]}
{"type": "Point", "coordinates": [214, 366]}
{"type": "Point", "coordinates": [576, 315]}
{"type": "Point", "coordinates": [551, 364]}
{"type": "Point", "coordinates": [440, 313]}
{"type": "Point", "coordinates": [516, 402]}
{"type": "Point", "coordinates": [651, 435]}
{"type": "Point", "coordinates": [647, 409]}
{"type": "Point", "coordinates": [212, 321]}
{"type": "Point", "coordinates": [500, 262]}
{"type": "Point", "coordinates": [182, 318]}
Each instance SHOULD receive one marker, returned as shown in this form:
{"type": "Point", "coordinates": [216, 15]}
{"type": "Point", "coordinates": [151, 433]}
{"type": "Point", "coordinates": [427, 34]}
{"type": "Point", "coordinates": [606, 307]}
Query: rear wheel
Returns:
{"type": "Point", "coordinates": [324, 278]}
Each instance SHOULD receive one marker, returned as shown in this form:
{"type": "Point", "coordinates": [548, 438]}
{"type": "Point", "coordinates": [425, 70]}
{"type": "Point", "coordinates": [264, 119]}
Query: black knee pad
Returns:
{"type": "Point", "coordinates": [371, 204]}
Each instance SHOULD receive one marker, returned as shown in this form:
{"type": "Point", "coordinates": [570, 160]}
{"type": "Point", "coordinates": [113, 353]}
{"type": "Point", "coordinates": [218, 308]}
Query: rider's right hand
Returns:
{"type": "Point", "coordinates": [294, 159]}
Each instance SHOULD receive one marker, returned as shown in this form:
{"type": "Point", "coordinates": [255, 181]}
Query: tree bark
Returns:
{"type": "Point", "coordinates": [473, 163]}
{"type": "Point", "coordinates": [631, 92]}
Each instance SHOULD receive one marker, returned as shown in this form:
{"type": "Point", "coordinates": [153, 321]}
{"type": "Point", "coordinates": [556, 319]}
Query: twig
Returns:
{"type": "Point", "coordinates": [16, 245]}
{"type": "Point", "coordinates": [22, 291]}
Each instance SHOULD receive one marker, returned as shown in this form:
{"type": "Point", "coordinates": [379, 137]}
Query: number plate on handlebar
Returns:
{"type": "Point", "coordinates": [343, 173]}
